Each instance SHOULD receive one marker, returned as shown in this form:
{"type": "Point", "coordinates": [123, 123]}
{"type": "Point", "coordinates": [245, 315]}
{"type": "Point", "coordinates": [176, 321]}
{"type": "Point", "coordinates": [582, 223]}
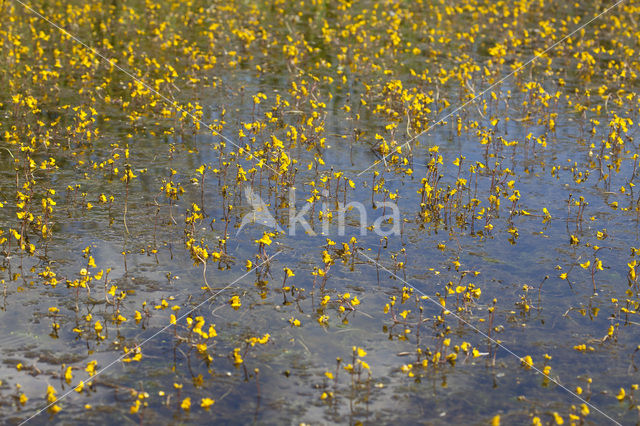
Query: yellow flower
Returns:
{"type": "Point", "coordinates": [51, 394]}
{"type": "Point", "coordinates": [91, 367]}
{"type": "Point", "coordinates": [235, 302]}
{"type": "Point", "coordinates": [598, 264]}
{"type": "Point", "coordinates": [557, 418]}
{"type": "Point", "coordinates": [212, 331]}
{"type": "Point", "coordinates": [186, 404]}
{"type": "Point", "coordinates": [584, 410]}
{"type": "Point", "coordinates": [266, 240]}
{"type": "Point", "coordinates": [237, 358]}
{"type": "Point", "coordinates": [135, 407]}
{"type": "Point", "coordinates": [206, 403]}
{"type": "Point", "coordinates": [527, 362]}
{"type": "Point", "coordinates": [68, 376]}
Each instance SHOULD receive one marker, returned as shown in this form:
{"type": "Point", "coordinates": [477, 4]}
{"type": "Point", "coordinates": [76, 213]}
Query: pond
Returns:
{"type": "Point", "coordinates": [319, 212]}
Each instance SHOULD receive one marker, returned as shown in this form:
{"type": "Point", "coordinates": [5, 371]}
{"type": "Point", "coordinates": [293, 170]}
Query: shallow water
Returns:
{"type": "Point", "coordinates": [284, 380]}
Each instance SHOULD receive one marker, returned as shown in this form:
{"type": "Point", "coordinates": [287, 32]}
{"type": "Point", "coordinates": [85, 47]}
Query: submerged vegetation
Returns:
{"type": "Point", "coordinates": [505, 132]}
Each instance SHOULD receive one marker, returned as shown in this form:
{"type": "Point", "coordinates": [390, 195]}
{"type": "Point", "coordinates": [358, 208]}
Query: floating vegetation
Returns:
{"type": "Point", "coordinates": [316, 212]}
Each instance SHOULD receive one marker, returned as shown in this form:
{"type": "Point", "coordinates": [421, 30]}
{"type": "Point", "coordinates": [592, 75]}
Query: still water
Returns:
{"type": "Point", "coordinates": [508, 293]}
